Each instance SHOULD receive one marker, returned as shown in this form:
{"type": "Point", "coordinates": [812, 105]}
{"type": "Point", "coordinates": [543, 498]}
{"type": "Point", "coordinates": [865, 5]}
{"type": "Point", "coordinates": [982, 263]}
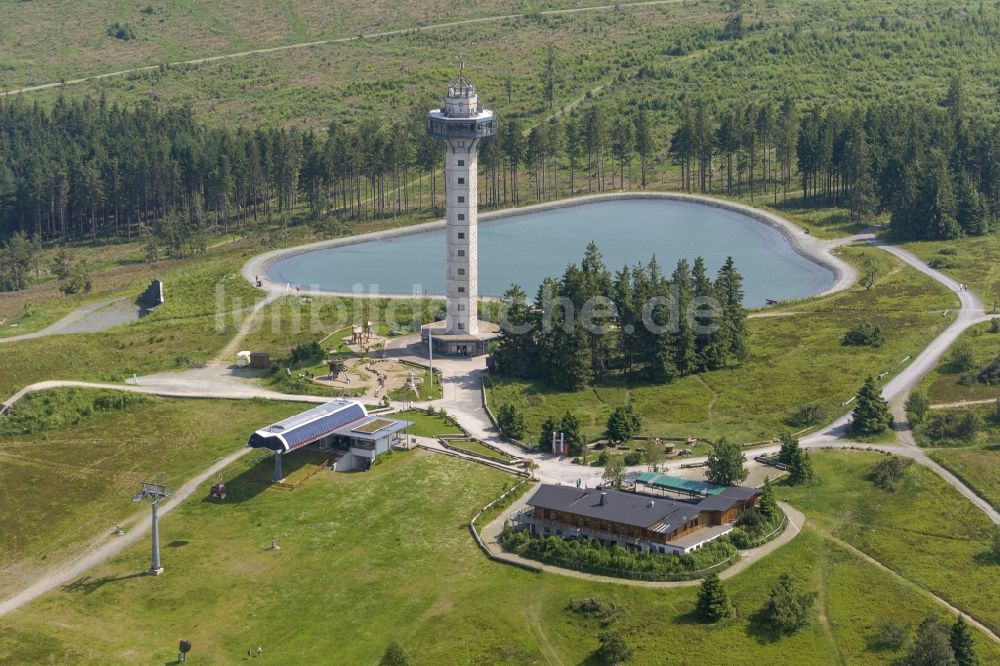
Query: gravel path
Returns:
{"type": "Point", "coordinates": [114, 545]}
{"type": "Point", "coordinates": [92, 318]}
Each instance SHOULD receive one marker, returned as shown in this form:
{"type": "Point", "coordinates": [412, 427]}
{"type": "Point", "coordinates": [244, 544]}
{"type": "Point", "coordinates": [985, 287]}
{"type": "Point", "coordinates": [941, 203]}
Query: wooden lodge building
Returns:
{"type": "Point", "coordinates": [635, 520]}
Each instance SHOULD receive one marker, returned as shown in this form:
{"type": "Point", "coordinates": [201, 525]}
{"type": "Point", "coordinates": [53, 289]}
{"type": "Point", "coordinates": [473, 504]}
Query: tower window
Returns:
{"type": "Point", "coordinates": [461, 181]}
{"type": "Point", "coordinates": [461, 235]}
{"type": "Point", "coordinates": [461, 290]}
{"type": "Point", "coordinates": [461, 253]}
{"type": "Point", "coordinates": [461, 307]}
{"type": "Point", "coordinates": [461, 216]}
{"type": "Point", "coordinates": [461, 163]}
{"type": "Point", "coordinates": [461, 327]}
{"type": "Point", "coordinates": [461, 271]}
{"type": "Point", "coordinates": [461, 200]}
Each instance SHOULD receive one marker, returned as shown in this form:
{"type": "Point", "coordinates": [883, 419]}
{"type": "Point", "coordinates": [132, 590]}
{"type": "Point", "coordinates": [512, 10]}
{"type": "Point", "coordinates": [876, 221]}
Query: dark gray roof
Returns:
{"type": "Point", "coordinates": [720, 502]}
{"type": "Point", "coordinates": [740, 492]}
{"type": "Point", "coordinates": [660, 514]}
{"type": "Point", "coordinates": [621, 507]}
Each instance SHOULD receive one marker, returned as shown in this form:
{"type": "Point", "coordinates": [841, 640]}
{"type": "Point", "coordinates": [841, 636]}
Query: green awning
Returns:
{"type": "Point", "coordinates": [678, 484]}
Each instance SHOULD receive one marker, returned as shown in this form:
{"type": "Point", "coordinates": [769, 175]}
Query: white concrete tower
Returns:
{"type": "Point", "coordinates": [461, 122]}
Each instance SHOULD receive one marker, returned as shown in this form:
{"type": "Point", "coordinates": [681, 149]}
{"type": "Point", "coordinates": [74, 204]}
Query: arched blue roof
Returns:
{"type": "Point", "coordinates": [309, 426]}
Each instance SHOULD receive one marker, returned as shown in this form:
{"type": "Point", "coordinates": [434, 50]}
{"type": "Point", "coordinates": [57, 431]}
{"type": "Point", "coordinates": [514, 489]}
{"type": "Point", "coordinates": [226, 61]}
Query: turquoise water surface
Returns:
{"type": "Point", "coordinates": [526, 248]}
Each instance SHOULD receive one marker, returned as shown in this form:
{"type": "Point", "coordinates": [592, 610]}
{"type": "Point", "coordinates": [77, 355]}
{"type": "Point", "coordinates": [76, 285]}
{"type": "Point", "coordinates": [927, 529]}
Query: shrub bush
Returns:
{"type": "Point", "coordinates": [590, 556]}
{"type": "Point", "coordinates": [806, 416]}
{"type": "Point", "coordinates": [862, 335]}
{"type": "Point", "coordinates": [601, 609]}
{"type": "Point", "coordinates": [952, 427]}
{"type": "Point", "coordinates": [990, 375]}
{"type": "Point", "coordinates": [888, 473]}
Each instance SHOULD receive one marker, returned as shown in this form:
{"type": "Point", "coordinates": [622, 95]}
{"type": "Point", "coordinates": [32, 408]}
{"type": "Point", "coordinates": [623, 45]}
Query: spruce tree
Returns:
{"type": "Point", "coordinates": [801, 467]}
{"type": "Point", "coordinates": [788, 447]}
{"type": "Point", "coordinates": [713, 602]}
{"type": "Point", "coordinates": [394, 655]}
{"type": "Point", "coordinates": [545, 436]}
{"type": "Point", "coordinates": [768, 503]}
{"type": "Point", "coordinates": [710, 349]}
{"type": "Point", "coordinates": [932, 646]}
{"type": "Point", "coordinates": [871, 415]}
{"type": "Point", "coordinates": [729, 288]}
{"type": "Point", "coordinates": [684, 346]}
{"type": "Point", "coordinates": [569, 425]}
{"type": "Point", "coordinates": [623, 423]}
{"type": "Point", "coordinates": [962, 645]}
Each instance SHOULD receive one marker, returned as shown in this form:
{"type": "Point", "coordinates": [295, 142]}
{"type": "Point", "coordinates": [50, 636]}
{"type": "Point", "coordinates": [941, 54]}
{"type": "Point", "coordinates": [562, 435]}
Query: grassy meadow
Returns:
{"type": "Point", "coordinates": [73, 458]}
{"type": "Point", "coordinates": [924, 530]}
{"type": "Point", "coordinates": [947, 384]}
{"type": "Point", "coordinates": [402, 566]}
{"type": "Point", "coordinates": [796, 358]}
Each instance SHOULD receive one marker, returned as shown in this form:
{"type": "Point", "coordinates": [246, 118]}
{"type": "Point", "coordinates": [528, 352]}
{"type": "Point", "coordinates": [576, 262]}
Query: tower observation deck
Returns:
{"type": "Point", "coordinates": [461, 122]}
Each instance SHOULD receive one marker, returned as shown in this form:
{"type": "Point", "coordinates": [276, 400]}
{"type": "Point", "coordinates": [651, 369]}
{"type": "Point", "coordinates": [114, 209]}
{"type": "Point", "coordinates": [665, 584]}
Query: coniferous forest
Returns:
{"type": "Point", "coordinates": [87, 170]}
{"type": "Point", "coordinates": [590, 324]}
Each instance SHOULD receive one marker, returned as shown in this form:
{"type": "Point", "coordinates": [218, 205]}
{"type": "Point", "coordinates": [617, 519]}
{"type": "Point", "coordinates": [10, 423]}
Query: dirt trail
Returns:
{"type": "Point", "coordinates": [338, 40]}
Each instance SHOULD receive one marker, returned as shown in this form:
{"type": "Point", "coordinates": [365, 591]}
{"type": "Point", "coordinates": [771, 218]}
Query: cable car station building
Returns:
{"type": "Point", "coordinates": [343, 425]}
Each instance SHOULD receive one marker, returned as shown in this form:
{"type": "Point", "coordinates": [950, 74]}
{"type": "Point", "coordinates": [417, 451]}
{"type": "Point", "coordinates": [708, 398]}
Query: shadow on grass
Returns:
{"type": "Point", "coordinates": [88, 584]}
{"type": "Point", "coordinates": [257, 478]}
{"type": "Point", "coordinates": [761, 630]}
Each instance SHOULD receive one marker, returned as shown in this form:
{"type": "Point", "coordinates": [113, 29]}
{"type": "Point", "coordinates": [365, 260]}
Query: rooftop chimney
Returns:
{"type": "Point", "coordinates": [604, 498]}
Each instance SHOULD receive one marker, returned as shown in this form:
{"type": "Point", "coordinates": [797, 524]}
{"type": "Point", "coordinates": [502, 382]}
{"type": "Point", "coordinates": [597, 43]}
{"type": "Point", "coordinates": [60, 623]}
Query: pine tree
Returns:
{"type": "Point", "coordinates": [729, 288]}
{"type": "Point", "coordinates": [394, 655]}
{"type": "Point", "coordinates": [931, 646]}
{"type": "Point", "coordinates": [788, 447]}
{"type": "Point", "coordinates": [683, 339]}
{"type": "Point", "coordinates": [710, 350]}
{"type": "Point", "coordinates": [713, 602]}
{"type": "Point", "coordinates": [768, 503]}
{"type": "Point", "coordinates": [801, 467]}
{"type": "Point", "coordinates": [787, 607]}
{"type": "Point", "coordinates": [623, 423]}
{"type": "Point", "coordinates": [569, 425]}
{"type": "Point", "coordinates": [962, 644]}
{"type": "Point", "coordinates": [871, 412]}
{"type": "Point", "coordinates": [545, 436]}
{"type": "Point", "coordinates": [871, 415]}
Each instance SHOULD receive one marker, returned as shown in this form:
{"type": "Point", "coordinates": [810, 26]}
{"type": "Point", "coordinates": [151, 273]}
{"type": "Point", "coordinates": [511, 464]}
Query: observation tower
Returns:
{"type": "Point", "coordinates": [461, 123]}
